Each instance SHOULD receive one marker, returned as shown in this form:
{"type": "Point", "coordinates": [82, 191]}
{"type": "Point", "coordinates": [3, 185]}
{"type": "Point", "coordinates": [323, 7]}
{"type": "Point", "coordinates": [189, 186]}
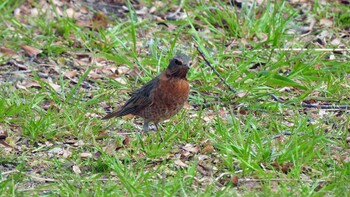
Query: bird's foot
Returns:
{"type": "Point", "coordinates": [152, 128]}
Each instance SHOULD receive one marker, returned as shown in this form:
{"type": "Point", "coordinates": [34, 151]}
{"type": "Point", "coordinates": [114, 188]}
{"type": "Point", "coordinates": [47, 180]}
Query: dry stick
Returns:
{"type": "Point", "coordinates": [345, 107]}
{"type": "Point", "coordinates": [215, 71]}
{"type": "Point", "coordinates": [297, 50]}
{"type": "Point", "coordinates": [280, 180]}
{"type": "Point", "coordinates": [36, 178]}
{"type": "Point", "coordinates": [305, 105]}
{"type": "Point", "coordinates": [171, 15]}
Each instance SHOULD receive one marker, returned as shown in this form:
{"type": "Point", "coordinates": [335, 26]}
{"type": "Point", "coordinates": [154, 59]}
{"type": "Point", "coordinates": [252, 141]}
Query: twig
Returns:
{"type": "Point", "coordinates": [345, 107]}
{"type": "Point", "coordinates": [31, 176]}
{"type": "Point", "coordinates": [172, 15]}
{"type": "Point", "coordinates": [9, 172]}
{"type": "Point", "coordinates": [215, 71]}
{"type": "Point", "coordinates": [286, 133]}
{"type": "Point", "coordinates": [244, 180]}
{"type": "Point", "coordinates": [40, 178]}
{"type": "Point", "coordinates": [335, 107]}
{"type": "Point", "coordinates": [280, 180]}
{"type": "Point", "coordinates": [296, 50]}
{"type": "Point", "coordinates": [275, 98]}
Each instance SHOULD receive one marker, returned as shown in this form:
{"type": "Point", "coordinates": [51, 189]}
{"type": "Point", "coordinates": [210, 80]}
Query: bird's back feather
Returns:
{"type": "Point", "coordinates": [140, 99]}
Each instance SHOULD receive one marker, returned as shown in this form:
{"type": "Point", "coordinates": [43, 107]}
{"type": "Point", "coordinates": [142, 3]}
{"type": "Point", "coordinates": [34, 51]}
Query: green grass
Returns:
{"type": "Point", "coordinates": [52, 129]}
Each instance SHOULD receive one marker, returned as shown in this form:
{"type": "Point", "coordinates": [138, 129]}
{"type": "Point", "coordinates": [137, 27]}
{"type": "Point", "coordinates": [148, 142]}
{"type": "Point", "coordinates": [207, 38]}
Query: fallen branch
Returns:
{"type": "Point", "coordinates": [340, 107]}
{"type": "Point", "coordinates": [215, 71]}
{"type": "Point", "coordinates": [319, 106]}
{"type": "Point", "coordinates": [172, 16]}
{"type": "Point", "coordinates": [36, 178]}
{"type": "Point", "coordinates": [295, 50]}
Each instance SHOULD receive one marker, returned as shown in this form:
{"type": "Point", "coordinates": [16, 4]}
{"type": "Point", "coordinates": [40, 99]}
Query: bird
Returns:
{"type": "Point", "coordinates": [162, 97]}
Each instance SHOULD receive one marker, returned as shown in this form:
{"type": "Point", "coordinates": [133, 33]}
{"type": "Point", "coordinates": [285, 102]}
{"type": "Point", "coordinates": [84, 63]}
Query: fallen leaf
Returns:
{"type": "Point", "coordinates": [122, 70]}
{"type": "Point", "coordinates": [31, 51]}
{"type": "Point", "coordinates": [28, 84]}
{"type": "Point", "coordinates": [326, 22]}
{"type": "Point", "coordinates": [66, 153]}
{"type": "Point", "coordinates": [3, 134]}
{"type": "Point", "coordinates": [111, 148]}
{"type": "Point", "coordinates": [71, 74]}
{"type": "Point", "coordinates": [79, 143]}
{"type": "Point", "coordinates": [97, 155]}
{"type": "Point", "coordinates": [8, 52]}
{"type": "Point", "coordinates": [208, 148]}
{"type": "Point", "coordinates": [72, 14]}
{"type": "Point", "coordinates": [235, 181]}
{"type": "Point", "coordinates": [121, 80]}
{"type": "Point", "coordinates": [241, 94]}
{"type": "Point", "coordinates": [190, 148]}
{"type": "Point", "coordinates": [56, 87]}
{"type": "Point", "coordinates": [76, 169]}
{"type": "Point", "coordinates": [55, 151]}
{"type": "Point", "coordinates": [287, 167]}
{"type": "Point", "coordinates": [242, 112]}
{"type": "Point", "coordinates": [180, 163]}
{"type": "Point", "coordinates": [144, 10]}
{"type": "Point", "coordinates": [126, 142]}
{"type": "Point", "coordinates": [85, 155]}
{"type": "Point", "coordinates": [83, 23]}
{"type": "Point", "coordinates": [99, 21]}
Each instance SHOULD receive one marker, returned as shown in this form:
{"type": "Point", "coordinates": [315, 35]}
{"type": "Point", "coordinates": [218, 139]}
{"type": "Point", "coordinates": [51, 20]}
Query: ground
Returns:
{"type": "Point", "coordinates": [267, 114]}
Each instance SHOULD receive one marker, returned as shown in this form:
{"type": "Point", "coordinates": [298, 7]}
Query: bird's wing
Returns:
{"type": "Point", "coordinates": [140, 99]}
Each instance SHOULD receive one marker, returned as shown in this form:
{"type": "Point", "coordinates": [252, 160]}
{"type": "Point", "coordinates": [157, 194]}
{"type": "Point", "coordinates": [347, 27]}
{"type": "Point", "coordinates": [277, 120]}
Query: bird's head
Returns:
{"type": "Point", "coordinates": [178, 66]}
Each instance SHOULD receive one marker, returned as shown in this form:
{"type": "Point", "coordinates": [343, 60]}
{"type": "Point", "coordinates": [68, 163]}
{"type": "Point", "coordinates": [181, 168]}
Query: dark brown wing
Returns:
{"type": "Point", "coordinates": [140, 99]}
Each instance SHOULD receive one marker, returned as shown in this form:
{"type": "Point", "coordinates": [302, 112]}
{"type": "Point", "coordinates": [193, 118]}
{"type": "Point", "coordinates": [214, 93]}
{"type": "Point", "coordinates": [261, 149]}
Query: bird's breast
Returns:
{"type": "Point", "coordinates": [173, 90]}
{"type": "Point", "coordinates": [168, 99]}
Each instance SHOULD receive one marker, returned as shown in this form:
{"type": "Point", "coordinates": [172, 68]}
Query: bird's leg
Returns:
{"type": "Point", "coordinates": [145, 125]}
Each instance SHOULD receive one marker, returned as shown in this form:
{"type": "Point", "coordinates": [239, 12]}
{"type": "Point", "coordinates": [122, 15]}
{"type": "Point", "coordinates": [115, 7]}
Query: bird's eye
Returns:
{"type": "Point", "coordinates": [178, 62]}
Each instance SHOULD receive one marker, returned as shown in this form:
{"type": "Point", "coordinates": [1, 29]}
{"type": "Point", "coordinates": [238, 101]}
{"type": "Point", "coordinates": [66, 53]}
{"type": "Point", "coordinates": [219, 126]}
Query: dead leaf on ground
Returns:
{"type": "Point", "coordinates": [76, 169]}
{"type": "Point", "coordinates": [178, 162]}
{"type": "Point", "coordinates": [83, 23]}
{"type": "Point", "coordinates": [71, 13]}
{"type": "Point", "coordinates": [241, 94]}
{"type": "Point", "coordinates": [54, 86]}
{"type": "Point", "coordinates": [28, 84]}
{"type": "Point", "coordinates": [121, 80]}
{"type": "Point", "coordinates": [190, 148]}
{"type": "Point", "coordinates": [66, 153]}
{"type": "Point", "coordinates": [31, 51]}
{"type": "Point", "coordinates": [71, 74]}
{"type": "Point", "coordinates": [126, 141]}
{"type": "Point", "coordinates": [235, 181]}
{"type": "Point", "coordinates": [99, 21]}
{"type": "Point", "coordinates": [3, 136]}
{"type": "Point", "coordinates": [326, 22]}
{"type": "Point", "coordinates": [7, 51]}
{"type": "Point", "coordinates": [85, 155]}
{"type": "Point", "coordinates": [111, 148]}
{"type": "Point", "coordinates": [97, 155]}
{"type": "Point", "coordinates": [207, 149]}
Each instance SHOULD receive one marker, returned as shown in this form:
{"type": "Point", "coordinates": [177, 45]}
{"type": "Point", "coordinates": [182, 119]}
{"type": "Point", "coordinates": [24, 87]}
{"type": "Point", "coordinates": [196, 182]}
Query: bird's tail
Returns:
{"type": "Point", "coordinates": [111, 115]}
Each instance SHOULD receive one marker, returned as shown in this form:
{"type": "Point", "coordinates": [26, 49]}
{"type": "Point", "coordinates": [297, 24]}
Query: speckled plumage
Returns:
{"type": "Point", "coordinates": [162, 97]}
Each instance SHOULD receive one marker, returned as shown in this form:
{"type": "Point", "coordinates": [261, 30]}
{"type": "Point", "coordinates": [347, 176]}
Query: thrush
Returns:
{"type": "Point", "coordinates": [162, 97]}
